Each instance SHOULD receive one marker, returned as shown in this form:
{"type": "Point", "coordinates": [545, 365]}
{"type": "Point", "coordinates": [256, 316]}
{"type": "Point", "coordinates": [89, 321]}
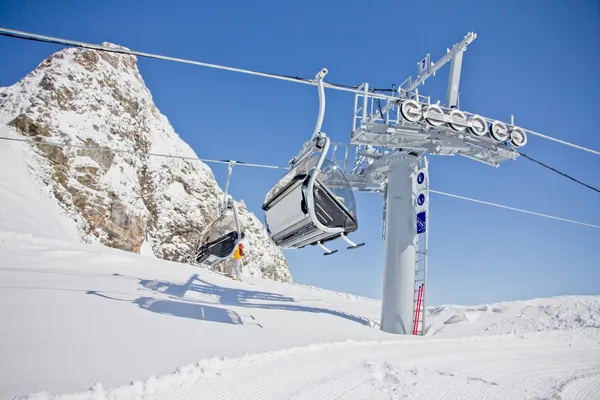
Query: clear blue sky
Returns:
{"type": "Point", "coordinates": [537, 60]}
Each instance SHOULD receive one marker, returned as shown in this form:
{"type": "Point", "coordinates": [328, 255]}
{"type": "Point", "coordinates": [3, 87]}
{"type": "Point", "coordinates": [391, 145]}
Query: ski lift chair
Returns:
{"type": "Point", "coordinates": [312, 204]}
{"type": "Point", "coordinates": [219, 240]}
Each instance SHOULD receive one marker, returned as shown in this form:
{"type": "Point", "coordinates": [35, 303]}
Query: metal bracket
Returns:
{"type": "Point", "coordinates": [317, 140]}
{"type": "Point", "coordinates": [326, 250]}
{"type": "Point", "coordinates": [225, 195]}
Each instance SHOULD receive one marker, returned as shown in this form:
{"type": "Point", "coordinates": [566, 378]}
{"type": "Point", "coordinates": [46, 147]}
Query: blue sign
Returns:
{"type": "Point", "coordinates": [421, 222]}
{"type": "Point", "coordinates": [420, 178]}
{"type": "Point", "coordinates": [421, 199]}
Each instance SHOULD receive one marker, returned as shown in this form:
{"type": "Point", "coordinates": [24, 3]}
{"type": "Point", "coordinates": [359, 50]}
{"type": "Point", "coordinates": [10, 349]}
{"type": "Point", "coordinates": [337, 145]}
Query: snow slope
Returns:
{"type": "Point", "coordinates": [26, 207]}
{"type": "Point", "coordinates": [78, 317]}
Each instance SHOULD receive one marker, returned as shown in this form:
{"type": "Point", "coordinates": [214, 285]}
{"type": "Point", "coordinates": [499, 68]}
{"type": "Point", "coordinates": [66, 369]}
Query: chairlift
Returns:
{"type": "Point", "coordinates": [314, 202]}
{"type": "Point", "coordinates": [220, 238]}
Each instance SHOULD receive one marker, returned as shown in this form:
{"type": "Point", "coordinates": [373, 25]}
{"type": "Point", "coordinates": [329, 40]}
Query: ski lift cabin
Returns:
{"type": "Point", "coordinates": [313, 203]}
{"type": "Point", "coordinates": [220, 238]}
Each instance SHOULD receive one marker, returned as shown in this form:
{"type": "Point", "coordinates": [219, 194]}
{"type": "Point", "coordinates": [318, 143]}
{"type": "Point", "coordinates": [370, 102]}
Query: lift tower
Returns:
{"type": "Point", "coordinates": [392, 136]}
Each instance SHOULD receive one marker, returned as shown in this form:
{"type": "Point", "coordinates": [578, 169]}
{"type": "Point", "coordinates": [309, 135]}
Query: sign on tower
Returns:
{"type": "Point", "coordinates": [421, 199]}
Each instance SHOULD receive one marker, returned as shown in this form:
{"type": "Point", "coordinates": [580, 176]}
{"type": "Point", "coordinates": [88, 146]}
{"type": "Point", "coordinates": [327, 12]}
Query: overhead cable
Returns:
{"type": "Point", "coordinates": [514, 209]}
{"type": "Point", "coordinates": [69, 145]}
{"type": "Point", "coordinates": [558, 172]}
{"type": "Point", "coordinates": [563, 142]}
{"type": "Point", "coordinates": [140, 153]}
{"type": "Point", "coordinates": [66, 42]}
{"type": "Point", "coordinates": [348, 88]}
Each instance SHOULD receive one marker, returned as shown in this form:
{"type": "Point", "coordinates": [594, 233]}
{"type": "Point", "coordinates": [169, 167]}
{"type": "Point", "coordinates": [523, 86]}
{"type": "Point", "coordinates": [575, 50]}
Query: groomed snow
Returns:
{"type": "Point", "coordinates": [84, 321]}
{"type": "Point", "coordinates": [80, 317]}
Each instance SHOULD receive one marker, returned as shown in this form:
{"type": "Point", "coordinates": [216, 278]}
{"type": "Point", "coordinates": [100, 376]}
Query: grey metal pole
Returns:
{"type": "Point", "coordinates": [400, 247]}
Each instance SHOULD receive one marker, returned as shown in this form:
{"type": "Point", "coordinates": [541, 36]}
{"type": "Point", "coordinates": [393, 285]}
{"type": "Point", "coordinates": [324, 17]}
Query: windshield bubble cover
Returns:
{"type": "Point", "coordinates": [335, 180]}
{"type": "Point", "coordinates": [331, 176]}
{"type": "Point", "coordinates": [301, 168]}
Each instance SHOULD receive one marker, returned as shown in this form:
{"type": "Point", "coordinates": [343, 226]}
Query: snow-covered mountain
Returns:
{"type": "Point", "coordinates": [99, 99]}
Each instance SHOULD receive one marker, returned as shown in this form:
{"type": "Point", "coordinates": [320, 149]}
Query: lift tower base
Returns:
{"type": "Point", "coordinates": [400, 246]}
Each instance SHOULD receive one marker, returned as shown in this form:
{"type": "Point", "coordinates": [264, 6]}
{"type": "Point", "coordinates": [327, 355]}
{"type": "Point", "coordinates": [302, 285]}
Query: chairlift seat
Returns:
{"type": "Point", "coordinates": [219, 240]}
{"type": "Point", "coordinates": [213, 252]}
{"type": "Point", "coordinates": [314, 201]}
{"type": "Point", "coordinates": [288, 220]}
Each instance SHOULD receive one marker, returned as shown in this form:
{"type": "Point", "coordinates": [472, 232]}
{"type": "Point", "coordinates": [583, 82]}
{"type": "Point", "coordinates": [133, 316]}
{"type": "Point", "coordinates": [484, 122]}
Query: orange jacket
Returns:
{"type": "Point", "coordinates": [239, 252]}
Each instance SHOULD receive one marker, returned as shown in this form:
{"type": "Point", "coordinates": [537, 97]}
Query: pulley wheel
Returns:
{"type": "Point", "coordinates": [518, 138]}
{"type": "Point", "coordinates": [457, 115]}
{"type": "Point", "coordinates": [499, 131]}
{"type": "Point", "coordinates": [478, 125]}
{"type": "Point", "coordinates": [434, 116]}
{"type": "Point", "coordinates": [411, 111]}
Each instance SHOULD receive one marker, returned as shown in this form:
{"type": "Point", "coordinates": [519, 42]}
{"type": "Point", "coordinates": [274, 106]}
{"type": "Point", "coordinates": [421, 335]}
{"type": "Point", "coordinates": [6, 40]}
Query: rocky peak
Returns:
{"type": "Point", "coordinates": [99, 99]}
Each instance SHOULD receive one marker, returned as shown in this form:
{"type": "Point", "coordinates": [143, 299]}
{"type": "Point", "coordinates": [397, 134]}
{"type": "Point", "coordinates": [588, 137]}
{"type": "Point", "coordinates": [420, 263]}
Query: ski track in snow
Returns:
{"type": "Point", "coordinates": [585, 386]}
{"type": "Point", "coordinates": [490, 368]}
{"type": "Point", "coordinates": [378, 371]}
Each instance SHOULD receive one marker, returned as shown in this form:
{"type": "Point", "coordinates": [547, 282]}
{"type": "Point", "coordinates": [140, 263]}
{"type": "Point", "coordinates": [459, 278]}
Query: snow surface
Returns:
{"type": "Point", "coordinates": [26, 207]}
{"type": "Point", "coordinates": [85, 321]}
{"type": "Point", "coordinates": [130, 326]}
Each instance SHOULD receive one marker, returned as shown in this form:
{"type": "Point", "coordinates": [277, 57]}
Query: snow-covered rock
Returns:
{"type": "Point", "coordinates": [99, 99]}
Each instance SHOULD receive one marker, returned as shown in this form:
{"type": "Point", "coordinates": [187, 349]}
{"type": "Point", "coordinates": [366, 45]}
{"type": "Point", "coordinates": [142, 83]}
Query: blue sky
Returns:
{"type": "Point", "coordinates": [536, 59]}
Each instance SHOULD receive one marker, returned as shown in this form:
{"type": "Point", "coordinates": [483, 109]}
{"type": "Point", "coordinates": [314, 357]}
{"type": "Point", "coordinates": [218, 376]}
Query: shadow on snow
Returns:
{"type": "Point", "coordinates": [192, 298]}
{"type": "Point", "coordinates": [181, 309]}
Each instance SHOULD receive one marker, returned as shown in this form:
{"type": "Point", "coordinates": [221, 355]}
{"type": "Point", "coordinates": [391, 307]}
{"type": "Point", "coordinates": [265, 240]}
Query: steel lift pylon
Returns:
{"type": "Point", "coordinates": [390, 139]}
